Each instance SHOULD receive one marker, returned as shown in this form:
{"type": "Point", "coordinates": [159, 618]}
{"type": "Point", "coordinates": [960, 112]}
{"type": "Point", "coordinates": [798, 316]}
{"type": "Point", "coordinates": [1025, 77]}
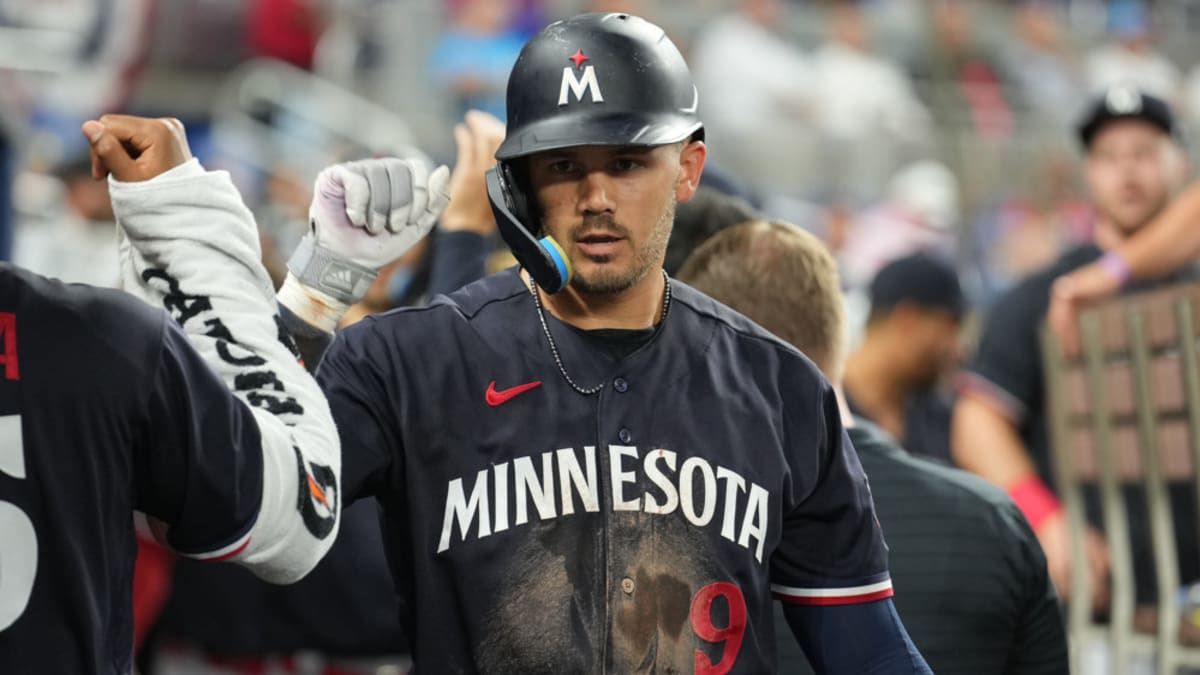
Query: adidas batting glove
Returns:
{"type": "Point", "coordinates": [363, 216]}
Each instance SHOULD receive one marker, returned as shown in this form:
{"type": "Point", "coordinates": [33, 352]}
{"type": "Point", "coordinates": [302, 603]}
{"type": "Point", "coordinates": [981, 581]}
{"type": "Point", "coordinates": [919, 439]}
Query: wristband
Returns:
{"type": "Point", "coordinates": [311, 306]}
{"type": "Point", "coordinates": [1116, 266]}
{"type": "Point", "coordinates": [323, 270]}
{"type": "Point", "coordinates": [1035, 500]}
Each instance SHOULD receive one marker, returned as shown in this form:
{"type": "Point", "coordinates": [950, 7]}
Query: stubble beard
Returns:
{"type": "Point", "coordinates": [649, 256]}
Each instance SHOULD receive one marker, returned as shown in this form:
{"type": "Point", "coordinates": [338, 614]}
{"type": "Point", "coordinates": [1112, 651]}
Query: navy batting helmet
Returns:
{"type": "Point", "coordinates": [593, 79]}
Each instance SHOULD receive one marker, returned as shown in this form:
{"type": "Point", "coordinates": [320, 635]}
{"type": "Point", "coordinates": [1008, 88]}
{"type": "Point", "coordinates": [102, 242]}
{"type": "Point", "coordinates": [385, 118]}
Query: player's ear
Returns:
{"type": "Point", "coordinates": [691, 165]}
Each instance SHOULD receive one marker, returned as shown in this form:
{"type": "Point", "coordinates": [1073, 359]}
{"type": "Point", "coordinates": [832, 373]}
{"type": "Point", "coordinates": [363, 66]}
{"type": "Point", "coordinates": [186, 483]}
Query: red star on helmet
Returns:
{"type": "Point", "coordinates": [578, 58]}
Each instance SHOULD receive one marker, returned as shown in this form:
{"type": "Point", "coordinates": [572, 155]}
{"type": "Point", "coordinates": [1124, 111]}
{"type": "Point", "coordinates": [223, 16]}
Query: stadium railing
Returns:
{"type": "Point", "coordinates": [1126, 413]}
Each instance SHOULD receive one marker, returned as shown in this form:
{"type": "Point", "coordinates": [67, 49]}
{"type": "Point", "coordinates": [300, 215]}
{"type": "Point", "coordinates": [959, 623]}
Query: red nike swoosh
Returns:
{"type": "Point", "coordinates": [495, 398]}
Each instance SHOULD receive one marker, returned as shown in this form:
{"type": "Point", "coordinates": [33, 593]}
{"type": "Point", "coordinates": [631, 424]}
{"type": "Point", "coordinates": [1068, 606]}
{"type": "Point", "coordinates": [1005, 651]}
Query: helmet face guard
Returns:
{"type": "Point", "coordinates": [594, 79]}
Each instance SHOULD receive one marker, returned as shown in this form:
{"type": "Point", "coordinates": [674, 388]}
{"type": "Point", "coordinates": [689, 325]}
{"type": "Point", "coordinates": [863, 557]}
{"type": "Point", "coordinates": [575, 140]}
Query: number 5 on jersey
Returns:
{"type": "Point", "coordinates": [18, 542]}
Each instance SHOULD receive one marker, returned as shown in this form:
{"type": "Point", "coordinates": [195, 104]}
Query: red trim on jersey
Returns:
{"type": "Point", "coordinates": [231, 554]}
{"type": "Point", "coordinates": [837, 600]}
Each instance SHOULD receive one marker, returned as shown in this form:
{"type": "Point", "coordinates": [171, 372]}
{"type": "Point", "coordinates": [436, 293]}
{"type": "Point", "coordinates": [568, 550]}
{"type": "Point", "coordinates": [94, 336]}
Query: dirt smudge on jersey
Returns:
{"type": "Point", "coordinates": [651, 633]}
{"type": "Point", "coordinates": [544, 620]}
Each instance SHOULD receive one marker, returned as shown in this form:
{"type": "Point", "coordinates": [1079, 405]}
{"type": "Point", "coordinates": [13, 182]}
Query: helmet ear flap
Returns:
{"type": "Point", "coordinates": [543, 258]}
{"type": "Point", "coordinates": [517, 193]}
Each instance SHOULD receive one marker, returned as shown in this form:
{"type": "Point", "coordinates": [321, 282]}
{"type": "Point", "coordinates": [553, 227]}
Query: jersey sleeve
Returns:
{"type": "Point", "coordinates": [358, 395]}
{"type": "Point", "coordinates": [198, 460]}
{"type": "Point", "coordinates": [189, 245]}
{"type": "Point", "coordinates": [1006, 368]}
{"type": "Point", "coordinates": [831, 551]}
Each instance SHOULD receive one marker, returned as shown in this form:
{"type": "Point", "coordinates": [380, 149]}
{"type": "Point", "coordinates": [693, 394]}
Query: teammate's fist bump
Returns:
{"type": "Point", "coordinates": [133, 149]}
{"type": "Point", "coordinates": [363, 216]}
{"type": "Point", "coordinates": [371, 212]}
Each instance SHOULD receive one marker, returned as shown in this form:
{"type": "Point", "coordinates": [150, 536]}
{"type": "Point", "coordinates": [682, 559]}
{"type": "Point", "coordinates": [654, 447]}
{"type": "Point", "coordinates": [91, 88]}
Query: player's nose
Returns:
{"type": "Point", "coordinates": [595, 193]}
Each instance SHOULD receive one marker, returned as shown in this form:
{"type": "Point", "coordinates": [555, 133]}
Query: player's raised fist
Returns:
{"type": "Point", "coordinates": [370, 212]}
{"type": "Point", "coordinates": [135, 149]}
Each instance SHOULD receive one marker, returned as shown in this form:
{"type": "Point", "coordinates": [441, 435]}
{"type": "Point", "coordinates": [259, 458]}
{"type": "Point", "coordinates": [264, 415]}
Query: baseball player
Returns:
{"type": "Point", "coordinates": [210, 426]}
{"type": "Point", "coordinates": [583, 466]}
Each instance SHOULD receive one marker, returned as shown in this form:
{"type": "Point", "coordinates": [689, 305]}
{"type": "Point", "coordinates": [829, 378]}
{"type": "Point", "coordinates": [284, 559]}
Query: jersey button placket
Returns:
{"type": "Point", "coordinates": [620, 385]}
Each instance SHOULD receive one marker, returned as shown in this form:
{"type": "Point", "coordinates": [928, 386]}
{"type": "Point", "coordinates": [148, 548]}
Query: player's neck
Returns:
{"type": "Point", "coordinates": [871, 379]}
{"type": "Point", "coordinates": [638, 307]}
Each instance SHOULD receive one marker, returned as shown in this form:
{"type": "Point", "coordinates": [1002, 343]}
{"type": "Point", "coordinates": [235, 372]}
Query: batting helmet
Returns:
{"type": "Point", "coordinates": [593, 79]}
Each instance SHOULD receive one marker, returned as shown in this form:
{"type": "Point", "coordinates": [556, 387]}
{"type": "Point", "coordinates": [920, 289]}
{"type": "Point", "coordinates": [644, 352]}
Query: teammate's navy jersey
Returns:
{"type": "Point", "coordinates": [534, 529]}
{"type": "Point", "coordinates": [104, 409]}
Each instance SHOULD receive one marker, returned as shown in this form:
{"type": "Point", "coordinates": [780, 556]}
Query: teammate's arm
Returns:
{"type": "Point", "coordinates": [460, 255]}
{"type": "Point", "coordinates": [252, 477]}
{"type": "Point", "coordinates": [1166, 243]}
{"type": "Point", "coordinates": [840, 588]}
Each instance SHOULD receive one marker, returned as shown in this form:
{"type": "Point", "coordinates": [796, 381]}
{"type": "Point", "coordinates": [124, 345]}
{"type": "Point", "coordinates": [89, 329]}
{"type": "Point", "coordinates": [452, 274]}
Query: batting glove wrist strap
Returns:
{"type": "Point", "coordinates": [322, 270]}
{"type": "Point", "coordinates": [319, 310]}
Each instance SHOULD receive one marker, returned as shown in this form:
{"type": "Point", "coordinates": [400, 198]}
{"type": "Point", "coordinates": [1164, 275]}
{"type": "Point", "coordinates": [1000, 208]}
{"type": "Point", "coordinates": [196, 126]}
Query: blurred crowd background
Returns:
{"type": "Point", "coordinates": [881, 126]}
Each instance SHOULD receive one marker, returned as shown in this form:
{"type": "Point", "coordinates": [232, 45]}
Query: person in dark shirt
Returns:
{"type": "Point", "coordinates": [1134, 163]}
{"type": "Point", "coordinates": [107, 406]}
{"type": "Point", "coordinates": [894, 377]}
{"type": "Point", "coordinates": [971, 581]}
{"type": "Point", "coordinates": [343, 615]}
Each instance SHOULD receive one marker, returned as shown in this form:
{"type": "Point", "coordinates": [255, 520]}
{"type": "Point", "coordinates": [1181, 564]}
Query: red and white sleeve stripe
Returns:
{"type": "Point", "coordinates": [225, 552]}
{"type": "Point", "coordinates": [847, 595]}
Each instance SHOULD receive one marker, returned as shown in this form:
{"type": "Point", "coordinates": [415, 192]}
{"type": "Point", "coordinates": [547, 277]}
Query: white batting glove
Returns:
{"type": "Point", "coordinates": [363, 216]}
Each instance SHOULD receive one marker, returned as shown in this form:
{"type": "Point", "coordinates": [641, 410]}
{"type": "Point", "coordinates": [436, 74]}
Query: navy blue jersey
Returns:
{"type": "Point", "coordinates": [531, 528]}
{"type": "Point", "coordinates": [104, 409]}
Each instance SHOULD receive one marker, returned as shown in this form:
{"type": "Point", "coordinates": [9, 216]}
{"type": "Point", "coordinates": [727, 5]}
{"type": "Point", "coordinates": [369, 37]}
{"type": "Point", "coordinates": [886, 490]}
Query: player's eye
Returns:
{"type": "Point", "coordinates": [562, 167]}
{"type": "Point", "coordinates": [626, 164]}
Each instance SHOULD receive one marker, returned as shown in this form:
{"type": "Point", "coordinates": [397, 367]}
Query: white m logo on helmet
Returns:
{"type": "Point", "coordinates": [578, 86]}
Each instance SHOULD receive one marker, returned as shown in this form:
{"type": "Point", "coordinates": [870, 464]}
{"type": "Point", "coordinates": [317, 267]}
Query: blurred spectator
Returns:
{"type": "Point", "coordinates": [474, 55]}
{"type": "Point", "coordinates": [86, 58]}
{"type": "Point", "coordinates": [755, 92]}
{"type": "Point", "coordinates": [912, 342]}
{"type": "Point", "coordinates": [69, 233]}
{"type": "Point", "coordinates": [1131, 58]}
{"type": "Point", "coordinates": [1133, 165]}
{"type": "Point", "coordinates": [1029, 231]}
{"type": "Point", "coordinates": [863, 104]}
{"type": "Point", "coordinates": [287, 30]}
{"type": "Point", "coordinates": [974, 591]}
{"type": "Point", "coordinates": [1044, 68]}
{"type": "Point", "coordinates": [966, 80]}
{"type": "Point", "coordinates": [921, 212]}
{"type": "Point", "coordinates": [860, 92]}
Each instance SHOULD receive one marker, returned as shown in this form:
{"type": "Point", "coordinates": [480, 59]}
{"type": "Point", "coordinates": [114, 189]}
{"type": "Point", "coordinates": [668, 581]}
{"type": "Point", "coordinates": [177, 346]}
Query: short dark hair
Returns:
{"type": "Point", "coordinates": [923, 279]}
{"type": "Point", "coordinates": [708, 211]}
{"type": "Point", "coordinates": [783, 279]}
